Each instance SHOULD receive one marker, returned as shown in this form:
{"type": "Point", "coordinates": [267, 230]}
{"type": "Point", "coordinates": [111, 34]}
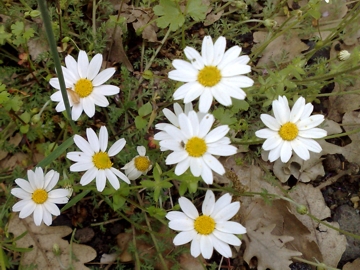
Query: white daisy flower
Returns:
{"type": "Point", "coordinates": [213, 74]}
{"type": "Point", "coordinates": [38, 197]}
{"type": "Point", "coordinates": [193, 145]}
{"type": "Point", "coordinates": [291, 130]}
{"type": "Point", "coordinates": [85, 85]}
{"type": "Point", "coordinates": [210, 230]}
{"type": "Point", "coordinates": [173, 119]}
{"type": "Point", "coordinates": [95, 160]}
{"type": "Point", "coordinates": [138, 165]}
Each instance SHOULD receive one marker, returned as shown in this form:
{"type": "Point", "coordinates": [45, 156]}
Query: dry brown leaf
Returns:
{"type": "Point", "coordinates": [340, 104]}
{"type": "Point", "coordinates": [269, 249]}
{"type": "Point", "coordinates": [289, 44]}
{"type": "Point", "coordinates": [251, 178]}
{"type": "Point", "coordinates": [332, 245]}
{"type": "Point", "coordinates": [212, 17]}
{"type": "Point", "coordinates": [142, 18]}
{"type": "Point", "coordinates": [286, 224]}
{"type": "Point", "coordinates": [351, 121]}
{"type": "Point", "coordinates": [15, 141]}
{"type": "Point", "coordinates": [355, 265]}
{"type": "Point", "coordinates": [18, 159]}
{"type": "Point", "coordinates": [42, 238]}
{"type": "Point", "coordinates": [117, 53]}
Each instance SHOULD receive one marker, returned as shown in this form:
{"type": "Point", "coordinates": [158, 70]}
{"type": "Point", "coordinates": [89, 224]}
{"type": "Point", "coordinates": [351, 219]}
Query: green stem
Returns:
{"type": "Point", "coordinates": [327, 76]}
{"type": "Point", "coordinates": [314, 264]}
{"type": "Point", "coordinates": [152, 235]}
{"type": "Point", "coordinates": [342, 134]}
{"type": "Point", "coordinates": [53, 50]}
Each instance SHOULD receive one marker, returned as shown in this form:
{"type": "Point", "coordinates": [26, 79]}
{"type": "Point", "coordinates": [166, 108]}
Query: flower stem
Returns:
{"type": "Point", "coordinates": [53, 51]}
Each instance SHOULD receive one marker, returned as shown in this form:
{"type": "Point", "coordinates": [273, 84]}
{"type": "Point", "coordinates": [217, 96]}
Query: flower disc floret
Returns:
{"type": "Point", "coordinates": [38, 196]}
{"type": "Point", "coordinates": [95, 160]}
{"type": "Point", "coordinates": [211, 230]}
{"type": "Point", "coordinates": [194, 143]}
{"type": "Point", "coordinates": [291, 130]}
{"type": "Point", "coordinates": [139, 165]}
{"type": "Point", "coordinates": [213, 74]}
{"type": "Point", "coordinates": [288, 131]}
{"type": "Point", "coordinates": [209, 76]}
{"type": "Point", "coordinates": [85, 85]}
{"type": "Point", "coordinates": [196, 147]}
{"type": "Point", "coordinates": [142, 163]}
{"type": "Point", "coordinates": [102, 161]}
{"type": "Point", "coordinates": [204, 225]}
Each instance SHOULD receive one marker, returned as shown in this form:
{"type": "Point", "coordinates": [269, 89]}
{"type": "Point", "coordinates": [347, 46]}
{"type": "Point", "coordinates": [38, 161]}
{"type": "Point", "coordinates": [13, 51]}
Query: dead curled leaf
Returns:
{"type": "Point", "coordinates": [331, 244]}
{"type": "Point", "coordinates": [42, 238]}
{"type": "Point", "coordinates": [288, 43]}
{"type": "Point", "coordinates": [269, 249]}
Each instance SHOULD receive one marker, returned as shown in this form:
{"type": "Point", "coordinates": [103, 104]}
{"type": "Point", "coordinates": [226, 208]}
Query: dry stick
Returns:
{"type": "Point", "coordinates": [353, 169]}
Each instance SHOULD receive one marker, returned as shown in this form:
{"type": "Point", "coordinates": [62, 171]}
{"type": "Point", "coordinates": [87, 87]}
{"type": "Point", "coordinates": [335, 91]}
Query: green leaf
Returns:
{"type": "Point", "coordinates": [140, 122]}
{"type": "Point", "coordinates": [145, 109]}
{"type": "Point", "coordinates": [17, 28]}
{"type": "Point", "coordinates": [197, 10]}
{"type": "Point", "coordinates": [156, 212]}
{"type": "Point", "coordinates": [169, 14]}
{"type": "Point", "coordinates": [4, 97]}
{"type": "Point", "coordinates": [24, 129]}
{"type": "Point", "coordinates": [157, 172]}
{"type": "Point", "coordinates": [187, 182]}
{"type": "Point", "coordinates": [25, 117]}
{"type": "Point", "coordinates": [239, 105]}
{"type": "Point", "coordinates": [224, 116]}
{"type": "Point", "coordinates": [148, 183]}
{"type": "Point", "coordinates": [29, 33]}
{"type": "Point", "coordinates": [4, 36]}
{"type": "Point", "coordinates": [13, 104]}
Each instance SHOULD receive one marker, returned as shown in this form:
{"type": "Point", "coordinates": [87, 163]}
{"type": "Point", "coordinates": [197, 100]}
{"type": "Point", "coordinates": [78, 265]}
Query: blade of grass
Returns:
{"type": "Point", "coordinates": [54, 52]}
{"type": "Point", "coordinates": [56, 153]}
{"type": "Point", "coordinates": [76, 199]}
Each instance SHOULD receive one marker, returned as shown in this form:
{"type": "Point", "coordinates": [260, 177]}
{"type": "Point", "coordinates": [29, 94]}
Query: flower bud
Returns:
{"type": "Point", "coordinates": [147, 74]}
{"type": "Point", "coordinates": [302, 209]}
{"type": "Point", "coordinates": [344, 55]}
{"type": "Point", "coordinates": [56, 249]}
{"type": "Point", "coordinates": [270, 23]}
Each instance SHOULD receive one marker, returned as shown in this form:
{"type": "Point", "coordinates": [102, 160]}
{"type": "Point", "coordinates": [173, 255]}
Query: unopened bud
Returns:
{"type": "Point", "coordinates": [147, 74]}
{"type": "Point", "coordinates": [302, 209]}
{"type": "Point", "coordinates": [270, 23]}
{"type": "Point", "coordinates": [240, 5]}
{"type": "Point", "coordinates": [321, 266]}
{"type": "Point", "coordinates": [344, 55]}
{"type": "Point", "coordinates": [56, 249]}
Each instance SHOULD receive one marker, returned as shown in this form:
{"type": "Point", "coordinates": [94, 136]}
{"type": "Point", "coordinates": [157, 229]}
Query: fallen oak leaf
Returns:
{"type": "Point", "coordinates": [42, 239]}
{"type": "Point", "coordinates": [269, 249]}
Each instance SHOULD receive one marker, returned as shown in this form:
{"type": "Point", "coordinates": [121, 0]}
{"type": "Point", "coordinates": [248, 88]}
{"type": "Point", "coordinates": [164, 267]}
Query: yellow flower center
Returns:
{"type": "Point", "coordinates": [196, 147]}
{"type": "Point", "coordinates": [102, 161]}
{"type": "Point", "coordinates": [39, 196]}
{"type": "Point", "coordinates": [209, 76]}
{"type": "Point", "coordinates": [288, 131]}
{"type": "Point", "coordinates": [83, 87]}
{"type": "Point", "coordinates": [142, 163]}
{"type": "Point", "coordinates": [204, 225]}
